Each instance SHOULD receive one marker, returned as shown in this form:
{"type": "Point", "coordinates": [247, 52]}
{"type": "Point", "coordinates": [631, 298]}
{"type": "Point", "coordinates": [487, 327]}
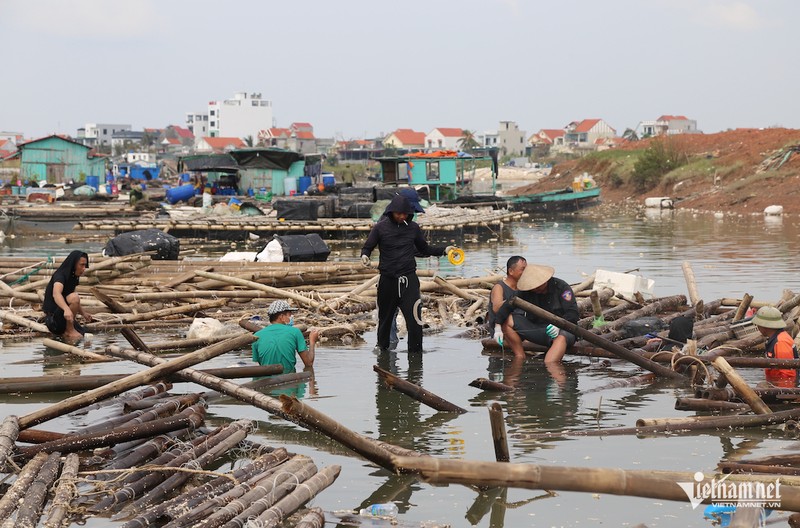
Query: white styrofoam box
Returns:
{"type": "Point", "coordinates": [625, 284]}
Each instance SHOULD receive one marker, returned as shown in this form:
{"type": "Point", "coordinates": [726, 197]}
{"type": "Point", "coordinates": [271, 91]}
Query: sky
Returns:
{"type": "Point", "coordinates": [363, 68]}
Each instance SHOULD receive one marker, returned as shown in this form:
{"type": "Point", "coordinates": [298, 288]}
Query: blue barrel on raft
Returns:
{"type": "Point", "coordinates": [303, 184]}
{"type": "Point", "coordinates": [182, 193]}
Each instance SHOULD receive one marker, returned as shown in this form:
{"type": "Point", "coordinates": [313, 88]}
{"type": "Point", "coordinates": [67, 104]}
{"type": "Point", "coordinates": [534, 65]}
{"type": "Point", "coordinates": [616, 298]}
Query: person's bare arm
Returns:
{"type": "Point", "coordinates": [61, 302]}
{"type": "Point", "coordinates": [308, 355]}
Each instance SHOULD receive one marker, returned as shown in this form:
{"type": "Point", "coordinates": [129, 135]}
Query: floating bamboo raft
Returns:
{"type": "Point", "coordinates": [237, 226]}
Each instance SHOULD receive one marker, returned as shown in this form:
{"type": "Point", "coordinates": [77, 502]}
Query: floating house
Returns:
{"type": "Point", "coordinates": [445, 172]}
{"type": "Point", "coordinates": [58, 160]}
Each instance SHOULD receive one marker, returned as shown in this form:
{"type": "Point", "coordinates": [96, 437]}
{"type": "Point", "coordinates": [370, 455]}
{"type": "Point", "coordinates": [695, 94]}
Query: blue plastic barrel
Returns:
{"type": "Point", "coordinates": [177, 194]}
{"type": "Point", "coordinates": [303, 184]}
{"type": "Point", "coordinates": [329, 181]}
{"type": "Point", "coordinates": [93, 181]}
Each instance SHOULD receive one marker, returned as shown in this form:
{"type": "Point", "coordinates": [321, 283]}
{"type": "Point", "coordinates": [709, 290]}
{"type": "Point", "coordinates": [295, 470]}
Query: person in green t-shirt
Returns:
{"type": "Point", "coordinates": [280, 341]}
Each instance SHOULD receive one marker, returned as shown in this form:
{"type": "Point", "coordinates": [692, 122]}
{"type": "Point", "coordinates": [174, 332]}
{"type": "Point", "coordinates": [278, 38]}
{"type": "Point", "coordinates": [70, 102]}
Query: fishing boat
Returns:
{"type": "Point", "coordinates": [558, 201]}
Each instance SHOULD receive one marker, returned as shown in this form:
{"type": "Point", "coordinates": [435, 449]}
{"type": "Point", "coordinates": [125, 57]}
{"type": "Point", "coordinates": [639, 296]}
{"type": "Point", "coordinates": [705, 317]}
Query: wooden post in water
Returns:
{"type": "Point", "coordinates": [691, 285]}
{"type": "Point", "coordinates": [418, 393]}
{"type": "Point", "coordinates": [742, 308]}
{"type": "Point", "coordinates": [499, 437]}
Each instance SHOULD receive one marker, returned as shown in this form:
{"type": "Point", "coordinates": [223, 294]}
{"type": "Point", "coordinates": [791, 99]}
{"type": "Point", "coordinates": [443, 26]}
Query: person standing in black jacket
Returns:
{"type": "Point", "coordinates": [61, 302]}
{"type": "Point", "coordinates": [399, 238]}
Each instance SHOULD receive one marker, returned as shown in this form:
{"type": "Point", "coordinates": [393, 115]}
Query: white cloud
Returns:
{"type": "Point", "coordinates": [84, 18]}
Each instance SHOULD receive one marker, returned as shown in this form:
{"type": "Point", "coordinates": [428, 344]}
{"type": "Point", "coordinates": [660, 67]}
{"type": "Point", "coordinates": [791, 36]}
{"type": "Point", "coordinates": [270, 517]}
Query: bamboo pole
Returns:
{"type": "Point", "coordinates": [9, 502]}
{"type": "Point", "coordinates": [31, 506]}
{"type": "Point", "coordinates": [418, 393]}
{"type": "Point", "coordinates": [21, 321]}
{"type": "Point", "coordinates": [191, 417]}
{"type": "Point", "coordinates": [634, 483]}
{"type": "Point", "coordinates": [128, 318]}
{"type": "Point", "coordinates": [455, 290]}
{"type": "Point", "coordinates": [64, 492]}
{"type": "Point", "coordinates": [691, 284]}
{"type": "Point", "coordinates": [69, 349]}
{"type": "Point", "coordinates": [315, 518]}
{"type": "Point", "coordinates": [9, 432]}
{"type": "Point", "coordinates": [741, 387]}
{"type": "Point", "coordinates": [209, 490]}
{"type": "Point", "coordinates": [34, 384]}
{"type": "Point", "coordinates": [614, 348]}
{"type": "Point", "coordinates": [702, 404]}
{"type": "Point", "coordinates": [741, 310]}
{"type": "Point", "coordinates": [499, 437]}
{"type": "Point", "coordinates": [305, 301]}
{"type": "Point", "coordinates": [315, 420]}
{"type": "Point", "coordinates": [335, 303]}
{"type": "Point", "coordinates": [134, 380]}
{"type": "Point", "coordinates": [299, 496]}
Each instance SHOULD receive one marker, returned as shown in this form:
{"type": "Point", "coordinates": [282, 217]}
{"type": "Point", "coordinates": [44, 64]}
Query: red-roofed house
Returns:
{"type": "Point", "coordinates": [443, 138]}
{"type": "Point", "coordinates": [548, 136]}
{"type": "Point", "coordinates": [7, 147]}
{"type": "Point", "coordinates": [219, 145]}
{"type": "Point", "coordinates": [585, 133]}
{"type": "Point", "coordinates": [301, 127]}
{"type": "Point", "coordinates": [669, 125]}
{"type": "Point", "coordinates": [274, 137]}
{"type": "Point", "coordinates": [405, 138]}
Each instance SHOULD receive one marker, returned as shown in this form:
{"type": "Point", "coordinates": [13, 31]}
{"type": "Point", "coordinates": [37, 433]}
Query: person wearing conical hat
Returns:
{"type": "Point", "coordinates": [780, 345]}
{"type": "Point", "coordinates": [538, 286]}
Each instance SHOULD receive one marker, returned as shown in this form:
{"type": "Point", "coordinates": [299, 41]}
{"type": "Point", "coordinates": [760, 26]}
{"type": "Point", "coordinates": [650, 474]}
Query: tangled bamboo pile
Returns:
{"type": "Point", "coordinates": [338, 298]}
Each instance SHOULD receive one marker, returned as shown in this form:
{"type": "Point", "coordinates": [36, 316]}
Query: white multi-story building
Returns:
{"type": "Point", "coordinates": [511, 140]}
{"type": "Point", "coordinates": [197, 123]}
{"type": "Point", "coordinates": [244, 115]}
{"type": "Point", "coordinates": [98, 134]}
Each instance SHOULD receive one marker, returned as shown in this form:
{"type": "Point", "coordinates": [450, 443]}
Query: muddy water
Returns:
{"type": "Point", "coordinates": [730, 256]}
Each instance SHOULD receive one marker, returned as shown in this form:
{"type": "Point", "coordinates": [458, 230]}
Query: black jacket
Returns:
{"type": "Point", "coordinates": [65, 274]}
{"type": "Point", "coordinates": [398, 243]}
{"type": "Point", "coordinates": [559, 300]}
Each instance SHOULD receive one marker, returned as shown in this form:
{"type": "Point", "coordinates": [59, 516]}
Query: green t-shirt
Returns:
{"type": "Point", "coordinates": [279, 343]}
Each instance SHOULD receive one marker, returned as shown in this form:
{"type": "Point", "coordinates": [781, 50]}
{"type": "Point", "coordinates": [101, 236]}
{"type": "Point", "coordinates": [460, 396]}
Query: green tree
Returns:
{"type": "Point", "coordinates": [248, 140]}
{"type": "Point", "coordinates": [630, 134]}
{"type": "Point", "coordinates": [467, 142]}
{"type": "Point", "coordinates": [662, 156]}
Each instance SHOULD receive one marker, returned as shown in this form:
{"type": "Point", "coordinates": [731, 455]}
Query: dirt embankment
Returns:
{"type": "Point", "coordinates": [739, 171]}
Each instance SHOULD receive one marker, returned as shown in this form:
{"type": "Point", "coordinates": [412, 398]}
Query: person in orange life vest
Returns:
{"type": "Point", "coordinates": [780, 345]}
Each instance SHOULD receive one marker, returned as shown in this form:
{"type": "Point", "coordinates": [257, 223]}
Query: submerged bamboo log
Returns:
{"type": "Point", "coordinates": [485, 384]}
{"type": "Point", "coordinates": [615, 349]}
{"type": "Point", "coordinates": [418, 393]}
{"type": "Point", "coordinates": [634, 483]}
{"type": "Point", "coordinates": [134, 380]}
{"type": "Point", "coordinates": [315, 518]}
{"type": "Point", "coordinates": [499, 437]}
{"type": "Point", "coordinates": [702, 404]}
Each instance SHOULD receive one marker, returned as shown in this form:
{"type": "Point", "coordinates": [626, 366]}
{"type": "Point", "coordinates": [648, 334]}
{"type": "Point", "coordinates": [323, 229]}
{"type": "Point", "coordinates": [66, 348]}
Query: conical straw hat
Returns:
{"type": "Point", "coordinates": [534, 276]}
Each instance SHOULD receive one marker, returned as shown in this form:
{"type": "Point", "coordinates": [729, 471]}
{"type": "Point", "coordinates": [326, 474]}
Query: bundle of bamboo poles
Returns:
{"type": "Point", "coordinates": [159, 470]}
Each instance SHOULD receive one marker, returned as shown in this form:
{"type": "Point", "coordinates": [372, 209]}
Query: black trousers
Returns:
{"type": "Point", "coordinates": [403, 293]}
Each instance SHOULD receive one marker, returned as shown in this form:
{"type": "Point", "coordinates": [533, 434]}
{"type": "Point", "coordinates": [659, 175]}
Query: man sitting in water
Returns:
{"type": "Point", "coordinates": [537, 286]}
